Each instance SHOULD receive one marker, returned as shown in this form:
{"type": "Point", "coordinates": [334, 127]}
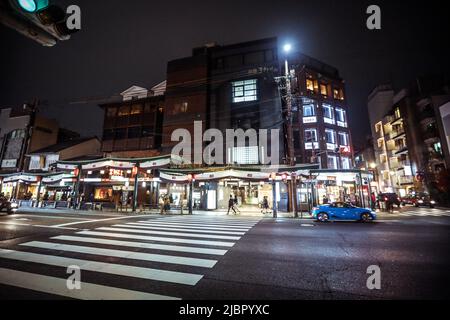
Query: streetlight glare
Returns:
{"type": "Point", "coordinates": [287, 47]}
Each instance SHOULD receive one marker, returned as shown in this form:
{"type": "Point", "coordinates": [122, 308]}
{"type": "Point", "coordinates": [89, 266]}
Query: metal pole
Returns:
{"type": "Point", "coordinates": [38, 196]}
{"type": "Point", "coordinates": [135, 190]}
{"type": "Point", "coordinates": [77, 187]}
{"type": "Point", "coordinates": [274, 199]}
{"type": "Point", "coordinates": [191, 184]}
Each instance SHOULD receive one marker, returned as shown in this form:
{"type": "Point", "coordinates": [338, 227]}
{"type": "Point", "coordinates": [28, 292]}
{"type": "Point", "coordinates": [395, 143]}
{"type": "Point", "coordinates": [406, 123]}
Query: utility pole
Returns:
{"type": "Point", "coordinates": [29, 132]}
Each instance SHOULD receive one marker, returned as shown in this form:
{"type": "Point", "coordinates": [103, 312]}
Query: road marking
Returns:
{"type": "Point", "coordinates": [212, 221]}
{"type": "Point", "coordinates": [195, 262]}
{"type": "Point", "coordinates": [180, 234]}
{"type": "Point", "coordinates": [53, 227]}
{"type": "Point", "coordinates": [103, 267]}
{"type": "Point", "coordinates": [15, 223]}
{"type": "Point", "coordinates": [160, 239]}
{"type": "Point", "coordinates": [97, 220]}
{"type": "Point", "coordinates": [56, 217]}
{"type": "Point", "coordinates": [199, 224]}
{"type": "Point", "coordinates": [142, 245]}
{"type": "Point", "coordinates": [58, 287]}
{"type": "Point", "coordinates": [140, 226]}
{"type": "Point", "coordinates": [184, 226]}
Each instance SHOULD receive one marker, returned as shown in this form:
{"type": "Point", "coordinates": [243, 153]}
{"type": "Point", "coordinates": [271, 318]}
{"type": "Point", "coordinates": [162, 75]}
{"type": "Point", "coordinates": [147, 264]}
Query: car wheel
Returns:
{"type": "Point", "coordinates": [323, 217]}
{"type": "Point", "coordinates": [431, 206]}
{"type": "Point", "coordinates": [365, 217]}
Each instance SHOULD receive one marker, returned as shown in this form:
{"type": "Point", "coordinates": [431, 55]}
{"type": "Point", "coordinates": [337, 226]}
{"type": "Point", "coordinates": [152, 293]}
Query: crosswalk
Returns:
{"type": "Point", "coordinates": [155, 258]}
{"type": "Point", "coordinates": [424, 212]}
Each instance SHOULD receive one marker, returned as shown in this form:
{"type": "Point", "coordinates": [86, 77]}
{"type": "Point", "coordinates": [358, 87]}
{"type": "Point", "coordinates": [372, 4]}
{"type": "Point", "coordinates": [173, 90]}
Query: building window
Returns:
{"type": "Point", "coordinates": [134, 132]}
{"type": "Point", "coordinates": [345, 163]}
{"type": "Point", "coordinates": [297, 144]}
{"type": "Point", "coordinates": [311, 135]}
{"type": "Point", "coordinates": [136, 109]}
{"type": "Point", "coordinates": [124, 111]}
{"type": "Point", "coordinates": [120, 133]}
{"type": "Point", "coordinates": [341, 117]}
{"type": "Point", "coordinates": [328, 113]}
{"type": "Point", "coordinates": [343, 139]}
{"type": "Point", "coordinates": [111, 112]}
{"type": "Point", "coordinates": [179, 108]}
{"type": "Point", "coordinates": [338, 94]}
{"type": "Point", "coordinates": [332, 162]}
{"type": "Point", "coordinates": [330, 136]}
{"type": "Point", "coordinates": [308, 110]}
{"type": "Point", "coordinates": [245, 91]}
{"type": "Point", "coordinates": [437, 147]}
{"type": "Point", "coordinates": [147, 131]}
{"type": "Point", "coordinates": [17, 134]}
{"type": "Point", "coordinates": [323, 89]}
{"type": "Point", "coordinates": [397, 113]}
{"type": "Point", "coordinates": [310, 85]}
{"type": "Point", "coordinates": [245, 155]}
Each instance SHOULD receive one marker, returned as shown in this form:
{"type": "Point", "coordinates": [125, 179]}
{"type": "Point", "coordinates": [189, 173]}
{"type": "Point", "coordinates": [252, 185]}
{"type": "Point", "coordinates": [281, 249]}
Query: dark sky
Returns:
{"type": "Point", "coordinates": [130, 42]}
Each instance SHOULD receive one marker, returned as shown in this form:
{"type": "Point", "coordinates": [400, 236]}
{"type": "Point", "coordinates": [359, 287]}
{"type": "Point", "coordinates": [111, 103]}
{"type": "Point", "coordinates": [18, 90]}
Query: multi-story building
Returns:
{"type": "Point", "coordinates": [407, 138]}
{"type": "Point", "coordinates": [14, 143]}
{"type": "Point", "coordinates": [234, 86]}
{"type": "Point", "coordinates": [320, 115]}
{"type": "Point", "coordinates": [132, 124]}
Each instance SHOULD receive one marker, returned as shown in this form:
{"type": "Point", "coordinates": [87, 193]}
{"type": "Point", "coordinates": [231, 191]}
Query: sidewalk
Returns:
{"type": "Point", "coordinates": [219, 212]}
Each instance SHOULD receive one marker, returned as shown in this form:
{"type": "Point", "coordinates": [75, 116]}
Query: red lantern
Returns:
{"type": "Point", "coordinates": [76, 172]}
{"type": "Point", "coordinates": [134, 171]}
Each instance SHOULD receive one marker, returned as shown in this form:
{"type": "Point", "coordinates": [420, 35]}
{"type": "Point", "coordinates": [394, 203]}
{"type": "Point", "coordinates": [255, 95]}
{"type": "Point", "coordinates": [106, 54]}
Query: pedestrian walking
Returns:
{"type": "Point", "coordinates": [265, 205]}
{"type": "Point", "coordinates": [231, 205]}
{"type": "Point", "coordinates": [373, 200]}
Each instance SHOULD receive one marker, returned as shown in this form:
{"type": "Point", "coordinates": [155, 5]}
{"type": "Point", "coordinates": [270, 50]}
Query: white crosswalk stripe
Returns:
{"type": "Point", "coordinates": [175, 250]}
{"type": "Point", "coordinates": [424, 213]}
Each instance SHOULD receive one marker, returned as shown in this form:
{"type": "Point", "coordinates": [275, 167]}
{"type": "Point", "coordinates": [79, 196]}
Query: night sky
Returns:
{"type": "Point", "coordinates": [130, 42]}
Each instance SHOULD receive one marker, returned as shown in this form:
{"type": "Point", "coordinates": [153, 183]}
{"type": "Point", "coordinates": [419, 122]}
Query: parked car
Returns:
{"type": "Point", "coordinates": [9, 207]}
{"type": "Point", "coordinates": [408, 199]}
{"type": "Point", "coordinates": [393, 198]}
{"type": "Point", "coordinates": [423, 200]}
{"type": "Point", "coordinates": [342, 211]}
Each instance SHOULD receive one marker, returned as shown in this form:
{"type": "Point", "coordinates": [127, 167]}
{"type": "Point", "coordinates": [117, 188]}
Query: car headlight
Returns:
{"type": "Point", "coordinates": [14, 205]}
{"type": "Point", "coordinates": [420, 201]}
{"type": "Point", "coordinates": [432, 202]}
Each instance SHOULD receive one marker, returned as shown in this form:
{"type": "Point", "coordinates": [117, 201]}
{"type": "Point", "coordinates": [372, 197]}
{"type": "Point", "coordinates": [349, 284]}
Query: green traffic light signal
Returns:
{"type": "Point", "coordinates": [32, 5]}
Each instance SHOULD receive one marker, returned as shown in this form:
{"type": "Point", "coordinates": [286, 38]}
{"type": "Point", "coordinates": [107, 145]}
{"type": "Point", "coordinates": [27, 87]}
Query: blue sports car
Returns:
{"type": "Point", "coordinates": [342, 211]}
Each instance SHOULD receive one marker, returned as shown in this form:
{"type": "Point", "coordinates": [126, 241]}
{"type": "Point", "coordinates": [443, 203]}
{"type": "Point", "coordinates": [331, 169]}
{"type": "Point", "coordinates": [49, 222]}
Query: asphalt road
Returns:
{"type": "Point", "coordinates": [223, 257]}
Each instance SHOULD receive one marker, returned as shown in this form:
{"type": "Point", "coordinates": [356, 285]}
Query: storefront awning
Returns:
{"type": "Point", "coordinates": [119, 163]}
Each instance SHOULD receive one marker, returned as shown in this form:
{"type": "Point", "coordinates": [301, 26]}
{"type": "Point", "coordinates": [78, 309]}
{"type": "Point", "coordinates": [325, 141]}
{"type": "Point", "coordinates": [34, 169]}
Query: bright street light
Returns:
{"type": "Point", "coordinates": [287, 47]}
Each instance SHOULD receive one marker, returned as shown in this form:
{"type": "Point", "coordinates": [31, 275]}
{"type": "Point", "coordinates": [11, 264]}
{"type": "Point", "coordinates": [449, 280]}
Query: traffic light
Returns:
{"type": "Point", "coordinates": [39, 20]}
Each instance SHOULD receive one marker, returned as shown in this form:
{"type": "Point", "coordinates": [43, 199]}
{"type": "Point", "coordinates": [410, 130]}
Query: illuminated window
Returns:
{"type": "Point", "coordinates": [323, 89]}
{"type": "Point", "coordinates": [345, 162]}
{"type": "Point", "coordinates": [245, 155]}
{"type": "Point", "coordinates": [397, 113]}
{"type": "Point", "coordinates": [340, 115]}
{"type": "Point", "coordinates": [343, 138]}
{"type": "Point", "coordinates": [311, 135]}
{"type": "Point", "coordinates": [332, 162]}
{"type": "Point", "coordinates": [124, 111]}
{"type": "Point", "coordinates": [309, 84]}
{"type": "Point", "coordinates": [136, 109]}
{"type": "Point", "coordinates": [328, 111]}
{"type": "Point", "coordinates": [437, 147]}
{"type": "Point", "coordinates": [308, 110]}
{"type": "Point", "coordinates": [330, 136]}
{"type": "Point", "coordinates": [245, 91]}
